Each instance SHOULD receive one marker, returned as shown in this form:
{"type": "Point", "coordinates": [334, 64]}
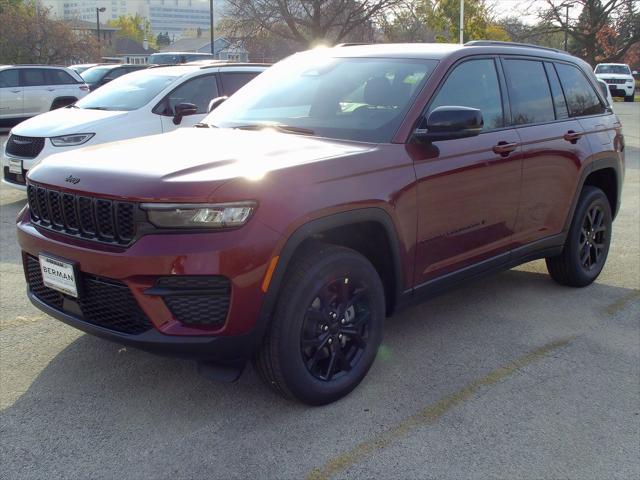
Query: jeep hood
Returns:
{"type": "Point", "coordinates": [186, 165]}
{"type": "Point", "coordinates": [66, 121]}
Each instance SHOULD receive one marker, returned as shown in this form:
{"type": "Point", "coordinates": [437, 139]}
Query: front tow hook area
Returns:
{"type": "Point", "coordinates": [221, 372]}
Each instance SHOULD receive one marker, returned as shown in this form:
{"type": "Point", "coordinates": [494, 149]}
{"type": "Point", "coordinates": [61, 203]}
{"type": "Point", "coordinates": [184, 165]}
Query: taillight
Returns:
{"type": "Point", "coordinates": [84, 88]}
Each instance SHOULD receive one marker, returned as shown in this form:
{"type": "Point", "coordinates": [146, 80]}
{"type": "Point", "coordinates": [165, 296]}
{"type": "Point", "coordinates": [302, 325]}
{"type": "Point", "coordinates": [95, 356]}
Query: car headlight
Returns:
{"type": "Point", "coordinates": [216, 215]}
{"type": "Point", "coordinates": [71, 140]}
{"type": "Point", "coordinates": [630, 80]}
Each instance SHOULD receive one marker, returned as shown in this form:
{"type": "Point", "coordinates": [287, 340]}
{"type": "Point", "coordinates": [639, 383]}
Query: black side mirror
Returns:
{"type": "Point", "coordinates": [450, 122]}
{"type": "Point", "coordinates": [216, 102]}
{"type": "Point", "coordinates": [182, 110]}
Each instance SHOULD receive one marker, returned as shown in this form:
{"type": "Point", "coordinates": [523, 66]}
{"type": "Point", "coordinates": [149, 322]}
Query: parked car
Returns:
{"type": "Point", "coordinates": [141, 103]}
{"type": "Point", "coordinates": [173, 58]}
{"type": "Point", "coordinates": [619, 78]}
{"type": "Point", "coordinates": [103, 74]}
{"type": "Point", "coordinates": [337, 187]}
{"type": "Point", "coordinates": [28, 90]}
{"type": "Point", "coordinates": [85, 66]}
{"type": "Point", "coordinates": [604, 88]}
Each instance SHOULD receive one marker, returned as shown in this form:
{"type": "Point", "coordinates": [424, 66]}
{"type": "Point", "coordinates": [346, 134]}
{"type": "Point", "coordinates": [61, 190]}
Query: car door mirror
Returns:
{"type": "Point", "coordinates": [182, 110]}
{"type": "Point", "coordinates": [216, 102]}
{"type": "Point", "coordinates": [450, 122]}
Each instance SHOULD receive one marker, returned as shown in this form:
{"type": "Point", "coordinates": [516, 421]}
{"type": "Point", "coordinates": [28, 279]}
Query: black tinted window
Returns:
{"type": "Point", "coordinates": [59, 77]}
{"type": "Point", "coordinates": [474, 84]}
{"type": "Point", "coordinates": [529, 92]}
{"type": "Point", "coordinates": [559, 101]}
{"type": "Point", "coordinates": [199, 91]}
{"type": "Point", "coordinates": [32, 77]}
{"type": "Point", "coordinates": [9, 78]}
{"type": "Point", "coordinates": [115, 73]}
{"type": "Point", "coordinates": [232, 82]}
{"type": "Point", "coordinates": [581, 97]}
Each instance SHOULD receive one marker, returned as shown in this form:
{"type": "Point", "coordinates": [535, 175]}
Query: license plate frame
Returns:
{"type": "Point", "coordinates": [15, 166]}
{"type": "Point", "coordinates": [59, 274]}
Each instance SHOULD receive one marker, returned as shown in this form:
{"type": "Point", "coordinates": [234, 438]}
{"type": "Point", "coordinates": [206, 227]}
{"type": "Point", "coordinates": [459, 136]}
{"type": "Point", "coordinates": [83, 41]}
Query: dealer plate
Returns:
{"type": "Point", "coordinates": [58, 274]}
{"type": "Point", "coordinates": [15, 166]}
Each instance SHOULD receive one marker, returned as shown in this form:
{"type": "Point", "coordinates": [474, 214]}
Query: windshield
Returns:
{"type": "Point", "coordinates": [613, 69]}
{"type": "Point", "coordinates": [92, 75]}
{"type": "Point", "coordinates": [128, 92]}
{"type": "Point", "coordinates": [362, 99]}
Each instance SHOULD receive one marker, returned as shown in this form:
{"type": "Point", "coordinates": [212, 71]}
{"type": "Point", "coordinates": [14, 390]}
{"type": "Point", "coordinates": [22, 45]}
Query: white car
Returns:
{"type": "Point", "coordinates": [146, 102]}
{"type": "Point", "coordinates": [28, 90]}
{"type": "Point", "coordinates": [619, 78]}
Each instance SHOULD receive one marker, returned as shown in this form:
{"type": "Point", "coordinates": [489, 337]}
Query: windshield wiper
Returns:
{"type": "Point", "coordinates": [72, 106]}
{"type": "Point", "coordinates": [276, 126]}
{"type": "Point", "coordinates": [96, 108]}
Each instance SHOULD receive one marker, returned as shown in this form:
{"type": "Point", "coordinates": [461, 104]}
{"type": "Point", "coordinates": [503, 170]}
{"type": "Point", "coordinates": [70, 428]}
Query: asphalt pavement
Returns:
{"type": "Point", "coordinates": [512, 376]}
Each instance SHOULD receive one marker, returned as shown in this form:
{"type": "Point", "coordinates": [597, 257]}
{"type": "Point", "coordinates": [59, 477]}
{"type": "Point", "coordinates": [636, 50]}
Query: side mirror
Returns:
{"type": "Point", "coordinates": [182, 110]}
{"type": "Point", "coordinates": [635, 72]}
{"type": "Point", "coordinates": [216, 102]}
{"type": "Point", "coordinates": [450, 122]}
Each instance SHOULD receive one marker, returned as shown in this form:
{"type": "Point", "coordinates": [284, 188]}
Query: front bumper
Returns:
{"type": "Point", "coordinates": [625, 90]}
{"type": "Point", "coordinates": [240, 255]}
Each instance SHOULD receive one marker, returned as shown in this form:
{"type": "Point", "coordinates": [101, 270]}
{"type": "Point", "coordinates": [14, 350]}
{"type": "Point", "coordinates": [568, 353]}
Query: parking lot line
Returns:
{"type": "Point", "coordinates": [430, 414]}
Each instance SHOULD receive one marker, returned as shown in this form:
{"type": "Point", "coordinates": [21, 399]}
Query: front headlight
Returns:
{"type": "Point", "coordinates": [71, 140]}
{"type": "Point", "coordinates": [217, 215]}
{"type": "Point", "coordinates": [630, 80]}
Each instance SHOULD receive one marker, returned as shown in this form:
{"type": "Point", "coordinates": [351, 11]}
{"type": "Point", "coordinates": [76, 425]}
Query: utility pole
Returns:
{"type": "Point", "coordinates": [566, 28]}
{"type": "Point", "coordinates": [461, 21]}
{"type": "Point", "coordinates": [211, 25]}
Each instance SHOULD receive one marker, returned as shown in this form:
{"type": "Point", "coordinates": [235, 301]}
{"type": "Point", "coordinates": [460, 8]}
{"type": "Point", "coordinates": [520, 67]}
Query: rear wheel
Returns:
{"type": "Point", "coordinates": [587, 245]}
{"type": "Point", "coordinates": [629, 99]}
{"type": "Point", "coordinates": [327, 326]}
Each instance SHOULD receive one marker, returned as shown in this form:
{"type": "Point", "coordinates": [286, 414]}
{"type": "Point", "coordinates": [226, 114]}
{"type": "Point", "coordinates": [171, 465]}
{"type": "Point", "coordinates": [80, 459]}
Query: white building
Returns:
{"type": "Point", "coordinates": [166, 16]}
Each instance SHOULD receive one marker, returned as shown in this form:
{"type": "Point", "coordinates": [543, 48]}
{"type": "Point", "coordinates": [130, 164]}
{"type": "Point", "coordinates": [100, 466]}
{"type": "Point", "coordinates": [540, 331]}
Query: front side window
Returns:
{"type": "Point", "coordinates": [8, 78]}
{"type": "Point", "coordinates": [361, 99]}
{"type": "Point", "coordinates": [32, 77]}
{"type": "Point", "coordinates": [199, 91]}
{"type": "Point", "coordinates": [581, 98]}
{"type": "Point", "coordinates": [95, 74]}
{"type": "Point", "coordinates": [474, 84]}
{"type": "Point", "coordinates": [529, 92]}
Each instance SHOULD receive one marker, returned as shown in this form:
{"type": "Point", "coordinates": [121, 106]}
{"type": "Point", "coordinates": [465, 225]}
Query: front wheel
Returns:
{"type": "Point", "coordinates": [327, 326]}
{"type": "Point", "coordinates": [629, 99]}
{"type": "Point", "coordinates": [587, 245]}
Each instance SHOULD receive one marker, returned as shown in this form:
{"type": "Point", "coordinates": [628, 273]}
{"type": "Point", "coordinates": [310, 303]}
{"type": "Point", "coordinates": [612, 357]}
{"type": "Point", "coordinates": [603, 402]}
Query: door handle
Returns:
{"type": "Point", "coordinates": [15, 91]}
{"type": "Point", "coordinates": [50, 89]}
{"type": "Point", "coordinates": [572, 136]}
{"type": "Point", "coordinates": [504, 148]}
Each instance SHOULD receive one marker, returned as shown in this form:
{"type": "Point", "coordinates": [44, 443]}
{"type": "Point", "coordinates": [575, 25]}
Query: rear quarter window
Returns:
{"type": "Point", "coordinates": [582, 99]}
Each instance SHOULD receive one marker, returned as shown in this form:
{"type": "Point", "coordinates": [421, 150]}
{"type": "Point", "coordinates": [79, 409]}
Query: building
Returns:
{"type": "Point", "coordinates": [127, 50]}
{"type": "Point", "coordinates": [224, 49]}
{"type": "Point", "coordinates": [82, 27]}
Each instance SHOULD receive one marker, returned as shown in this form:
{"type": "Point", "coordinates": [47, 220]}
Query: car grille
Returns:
{"type": "Point", "coordinates": [25, 147]}
{"type": "Point", "coordinates": [82, 216]}
{"type": "Point", "coordinates": [103, 302]}
{"type": "Point", "coordinates": [196, 300]}
{"type": "Point", "coordinates": [615, 81]}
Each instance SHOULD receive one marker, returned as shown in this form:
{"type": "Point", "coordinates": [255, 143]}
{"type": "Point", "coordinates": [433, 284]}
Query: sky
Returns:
{"type": "Point", "coordinates": [525, 9]}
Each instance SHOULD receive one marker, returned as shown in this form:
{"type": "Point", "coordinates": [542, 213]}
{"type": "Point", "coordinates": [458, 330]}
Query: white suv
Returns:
{"type": "Point", "coordinates": [619, 78]}
{"type": "Point", "coordinates": [28, 90]}
{"type": "Point", "coordinates": [141, 103]}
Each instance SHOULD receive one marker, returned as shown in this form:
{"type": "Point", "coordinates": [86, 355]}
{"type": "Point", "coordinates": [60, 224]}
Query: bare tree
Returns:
{"type": "Point", "coordinates": [306, 22]}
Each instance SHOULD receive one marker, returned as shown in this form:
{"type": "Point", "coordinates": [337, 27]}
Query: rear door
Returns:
{"type": "Point", "coordinates": [38, 94]}
{"type": "Point", "coordinates": [552, 146]}
{"type": "Point", "coordinates": [468, 188]}
{"type": "Point", "coordinates": [62, 84]}
{"type": "Point", "coordinates": [10, 94]}
{"type": "Point", "coordinates": [199, 91]}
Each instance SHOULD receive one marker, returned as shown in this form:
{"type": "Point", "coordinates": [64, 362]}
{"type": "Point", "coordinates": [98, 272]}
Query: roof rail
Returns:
{"type": "Point", "coordinates": [497, 43]}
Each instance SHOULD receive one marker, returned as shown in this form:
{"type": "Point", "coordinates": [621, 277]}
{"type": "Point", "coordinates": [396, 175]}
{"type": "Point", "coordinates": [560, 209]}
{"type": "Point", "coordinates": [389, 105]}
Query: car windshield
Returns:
{"type": "Point", "coordinates": [362, 99]}
{"type": "Point", "coordinates": [94, 74]}
{"type": "Point", "coordinates": [128, 92]}
{"type": "Point", "coordinates": [613, 69]}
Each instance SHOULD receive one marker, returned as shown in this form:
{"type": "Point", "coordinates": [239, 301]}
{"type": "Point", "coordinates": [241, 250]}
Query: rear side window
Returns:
{"type": "Point", "coordinates": [559, 101]}
{"type": "Point", "coordinates": [60, 77]}
{"type": "Point", "coordinates": [581, 97]}
{"type": "Point", "coordinates": [529, 92]}
{"type": "Point", "coordinates": [32, 77]}
{"type": "Point", "coordinates": [8, 78]}
{"type": "Point", "coordinates": [232, 82]}
{"type": "Point", "coordinates": [474, 84]}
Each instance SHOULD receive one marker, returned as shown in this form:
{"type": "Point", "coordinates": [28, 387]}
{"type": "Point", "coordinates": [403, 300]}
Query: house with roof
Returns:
{"type": "Point", "coordinates": [224, 49]}
{"type": "Point", "coordinates": [127, 50]}
{"type": "Point", "coordinates": [81, 28]}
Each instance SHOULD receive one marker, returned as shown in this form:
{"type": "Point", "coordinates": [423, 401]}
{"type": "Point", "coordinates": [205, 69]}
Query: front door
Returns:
{"type": "Point", "coordinates": [468, 189]}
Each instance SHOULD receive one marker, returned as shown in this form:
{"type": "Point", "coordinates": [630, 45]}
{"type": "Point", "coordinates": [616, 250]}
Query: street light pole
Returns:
{"type": "Point", "coordinates": [566, 29]}
{"type": "Point", "coordinates": [461, 21]}
{"type": "Point", "coordinates": [98, 10]}
{"type": "Point", "coordinates": [211, 25]}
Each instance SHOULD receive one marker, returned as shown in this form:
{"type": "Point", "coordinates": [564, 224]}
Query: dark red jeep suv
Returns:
{"type": "Point", "coordinates": [333, 189]}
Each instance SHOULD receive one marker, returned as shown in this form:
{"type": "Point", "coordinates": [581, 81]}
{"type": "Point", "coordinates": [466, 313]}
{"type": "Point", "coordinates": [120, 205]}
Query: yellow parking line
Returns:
{"type": "Point", "coordinates": [429, 415]}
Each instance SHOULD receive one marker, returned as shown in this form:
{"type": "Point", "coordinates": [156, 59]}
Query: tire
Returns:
{"type": "Point", "coordinates": [323, 280]}
{"type": "Point", "coordinates": [589, 238]}
{"type": "Point", "coordinates": [629, 99]}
